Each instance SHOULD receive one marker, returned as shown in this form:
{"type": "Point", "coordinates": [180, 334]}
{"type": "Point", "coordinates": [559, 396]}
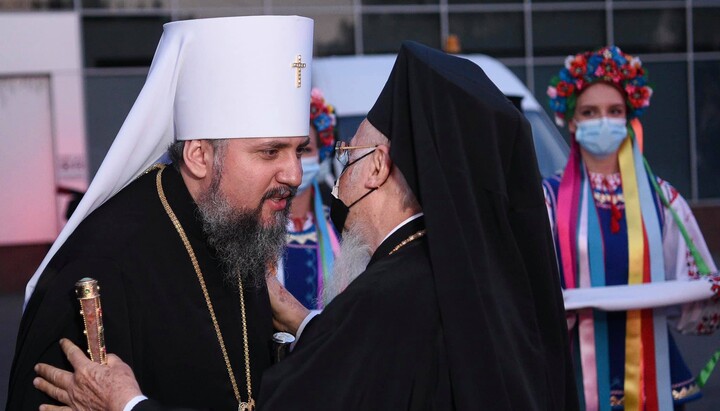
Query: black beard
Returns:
{"type": "Point", "coordinates": [242, 243]}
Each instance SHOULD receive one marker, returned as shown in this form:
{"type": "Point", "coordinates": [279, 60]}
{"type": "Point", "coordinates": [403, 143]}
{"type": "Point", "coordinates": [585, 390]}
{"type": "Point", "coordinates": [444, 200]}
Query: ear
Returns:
{"type": "Point", "coordinates": [381, 165]}
{"type": "Point", "coordinates": [572, 126]}
{"type": "Point", "coordinates": [198, 158]}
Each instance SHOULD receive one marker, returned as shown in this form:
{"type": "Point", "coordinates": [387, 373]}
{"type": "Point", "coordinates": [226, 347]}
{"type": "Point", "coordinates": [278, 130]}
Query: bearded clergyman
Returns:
{"type": "Point", "coordinates": [181, 250]}
{"type": "Point", "coordinates": [445, 295]}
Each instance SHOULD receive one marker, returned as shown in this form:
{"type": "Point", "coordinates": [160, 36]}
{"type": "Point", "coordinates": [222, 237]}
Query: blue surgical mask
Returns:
{"type": "Point", "coordinates": [601, 136]}
{"type": "Point", "coordinates": [311, 167]}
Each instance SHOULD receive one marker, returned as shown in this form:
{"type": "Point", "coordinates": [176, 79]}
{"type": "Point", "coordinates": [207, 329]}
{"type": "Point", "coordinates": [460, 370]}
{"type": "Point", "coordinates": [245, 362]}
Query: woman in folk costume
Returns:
{"type": "Point", "coordinates": [311, 240]}
{"type": "Point", "coordinates": [630, 251]}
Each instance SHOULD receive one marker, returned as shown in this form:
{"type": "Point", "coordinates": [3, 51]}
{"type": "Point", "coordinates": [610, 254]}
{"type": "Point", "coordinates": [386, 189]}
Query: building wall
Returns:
{"type": "Point", "coordinates": [678, 40]}
{"type": "Point", "coordinates": [44, 48]}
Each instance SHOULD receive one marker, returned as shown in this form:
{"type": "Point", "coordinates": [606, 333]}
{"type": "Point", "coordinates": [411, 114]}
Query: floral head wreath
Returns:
{"type": "Point", "coordinates": [608, 64]}
{"type": "Point", "coordinates": [322, 117]}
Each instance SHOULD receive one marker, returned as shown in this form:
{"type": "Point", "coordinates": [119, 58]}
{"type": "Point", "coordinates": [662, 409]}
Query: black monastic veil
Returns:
{"type": "Point", "coordinates": [467, 153]}
{"type": "Point", "coordinates": [470, 316]}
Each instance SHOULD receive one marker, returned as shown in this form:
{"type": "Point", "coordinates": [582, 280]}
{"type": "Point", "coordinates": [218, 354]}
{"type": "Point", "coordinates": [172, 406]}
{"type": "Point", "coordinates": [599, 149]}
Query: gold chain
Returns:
{"type": "Point", "coordinates": [407, 240]}
{"type": "Point", "coordinates": [250, 404]}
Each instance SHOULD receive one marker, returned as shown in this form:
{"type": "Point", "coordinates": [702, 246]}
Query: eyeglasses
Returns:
{"type": "Point", "coordinates": [342, 152]}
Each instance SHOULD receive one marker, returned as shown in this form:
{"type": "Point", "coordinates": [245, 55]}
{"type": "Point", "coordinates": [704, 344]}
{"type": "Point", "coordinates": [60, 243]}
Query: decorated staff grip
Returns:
{"type": "Point", "coordinates": [88, 293]}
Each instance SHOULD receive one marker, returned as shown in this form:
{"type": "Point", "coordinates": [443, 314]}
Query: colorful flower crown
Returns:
{"type": "Point", "coordinates": [609, 64]}
{"type": "Point", "coordinates": [322, 117]}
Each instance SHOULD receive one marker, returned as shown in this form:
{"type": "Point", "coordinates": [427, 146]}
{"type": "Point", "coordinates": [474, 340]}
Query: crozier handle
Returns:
{"type": "Point", "coordinates": [88, 294]}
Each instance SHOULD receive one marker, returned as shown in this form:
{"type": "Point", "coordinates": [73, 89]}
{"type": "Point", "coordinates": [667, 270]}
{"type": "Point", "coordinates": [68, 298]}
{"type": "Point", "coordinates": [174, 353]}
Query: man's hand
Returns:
{"type": "Point", "coordinates": [288, 313]}
{"type": "Point", "coordinates": [91, 387]}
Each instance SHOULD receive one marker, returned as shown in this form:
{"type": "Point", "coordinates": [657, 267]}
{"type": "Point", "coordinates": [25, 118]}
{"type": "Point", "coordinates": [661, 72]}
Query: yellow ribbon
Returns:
{"type": "Point", "coordinates": [636, 263]}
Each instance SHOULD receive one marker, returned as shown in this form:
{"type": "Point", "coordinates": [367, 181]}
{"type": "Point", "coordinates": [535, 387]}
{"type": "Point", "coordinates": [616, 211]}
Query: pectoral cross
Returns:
{"type": "Point", "coordinates": [247, 406]}
{"type": "Point", "coordinates": [298, 65]}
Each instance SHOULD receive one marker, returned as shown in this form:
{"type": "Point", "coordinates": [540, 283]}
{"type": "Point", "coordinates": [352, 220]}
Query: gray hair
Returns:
{"type": "Point", "coordinates": [175, 151]}
{"type": "Point", "coordinates": [353, 258]}
{"type": "Point", "coordinates": [373, 136]}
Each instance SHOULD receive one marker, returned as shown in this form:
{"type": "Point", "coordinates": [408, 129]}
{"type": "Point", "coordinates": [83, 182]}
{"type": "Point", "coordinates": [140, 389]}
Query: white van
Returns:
{"type": "Point", "coordinates": [353, 83]}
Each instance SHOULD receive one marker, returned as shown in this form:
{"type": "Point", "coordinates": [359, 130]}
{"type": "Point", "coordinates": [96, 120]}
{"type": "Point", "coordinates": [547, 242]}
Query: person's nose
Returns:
{"type": "Point", "coordinates": [291, 174]}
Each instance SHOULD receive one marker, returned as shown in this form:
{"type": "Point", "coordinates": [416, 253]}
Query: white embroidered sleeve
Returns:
{"type": "Point", "coordinates": [698, 317]}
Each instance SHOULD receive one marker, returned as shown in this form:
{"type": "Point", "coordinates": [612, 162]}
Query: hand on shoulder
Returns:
{"type": "Point", "coordinates": [91, 386]}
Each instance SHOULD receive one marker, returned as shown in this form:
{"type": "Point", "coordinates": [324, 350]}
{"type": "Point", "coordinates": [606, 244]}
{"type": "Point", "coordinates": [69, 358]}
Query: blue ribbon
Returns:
{"type": "Point", "coordinates": [327, 258]}
{"type": "Point", "coordinates": [651, 219]}
{"type": "Point", "coordinates": [597, 279]}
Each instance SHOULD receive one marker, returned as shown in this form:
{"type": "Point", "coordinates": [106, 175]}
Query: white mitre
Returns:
{"type": "Point", "coordinates": [232, 77]}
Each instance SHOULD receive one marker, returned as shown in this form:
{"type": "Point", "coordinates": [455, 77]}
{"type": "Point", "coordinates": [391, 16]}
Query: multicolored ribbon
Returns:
{"type": "Point", "coordinates": [651, 218]}
{"type": "Point", "coordinates": [327, 241]}
{"type": "Point", "coordinates": [708, 369]}
{"type": "Point", "coordinates": [595, 352]}
{"type": "Point", "coordinates": [567, 215]}
{"type": "Point", "coordinates": [586, 326]}
{"type": "Point", "coordinates": [646, 331]}
{"type": "Point", "coordinates": [582, 256]}
{"type": "Point", "coordinates": [596, 255]}
{"type": "Point", "coordinates": [702, 266]}
{"type": "Point", "coordinates": [636, 263]}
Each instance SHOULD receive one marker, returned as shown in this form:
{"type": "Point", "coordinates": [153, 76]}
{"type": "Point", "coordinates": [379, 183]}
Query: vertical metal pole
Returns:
{"type": "Point", "coordinates": [267, 7]}
{"type": "Point", "coordinates": [694, 183]}
{"type": "Point", "coordinates": [444, 23]}
{"type": "Point", "coordinates": [609, 22]}
{"type": "Point", "coordinates": [529, 57]}
{"type": "Point", "coordinates": [357, 17]}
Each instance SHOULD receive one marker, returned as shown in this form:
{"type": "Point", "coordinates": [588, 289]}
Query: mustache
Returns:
{"type": "Point", "coordinates": [283, 192]}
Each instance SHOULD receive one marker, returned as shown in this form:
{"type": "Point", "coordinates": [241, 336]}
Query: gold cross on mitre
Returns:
{"type": "Point", "coordinates": [298, 65]}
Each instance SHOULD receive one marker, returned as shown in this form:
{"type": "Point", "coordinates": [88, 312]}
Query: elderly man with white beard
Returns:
{"type": "Point", "coordinates": [446, 292]}
{"type": "Point", "coordinates": [457, 304]}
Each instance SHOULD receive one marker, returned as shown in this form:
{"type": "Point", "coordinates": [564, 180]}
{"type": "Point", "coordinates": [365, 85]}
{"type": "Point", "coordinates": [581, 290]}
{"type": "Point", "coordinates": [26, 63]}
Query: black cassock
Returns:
{"type": "Point", "coordinates": [377, 346]}
{"type": "Point", "coordinates": [467, 153]}
{"type": "Point", "coordinates": [155, 315]}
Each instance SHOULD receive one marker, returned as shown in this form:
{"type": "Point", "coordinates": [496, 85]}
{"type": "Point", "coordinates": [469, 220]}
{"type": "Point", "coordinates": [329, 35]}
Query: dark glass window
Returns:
{"type": "Point", "coordinates": [37, 5]}
{"type": "Point", "coordinates": [650, 31]}
{"type": "Point", "coordinates": [482, 1]}
{"type": "Point", "coordinates": [394, 2]}
{"type": "Point", "coordinates": [519, 71]}
{"type": "Point", "coordinates": [121, 41]}
{"type": "Point", "coordinates": [543, 74]}
{"type": "Point", "coordinates": [226, 5]}
{"type": "Point", "coordinates": [567, 32]}
{"type": "Point", "coordinates": [334, 34]}
{"type": "Point", "coordinates": [210, 12]}
{"type": "Point", "coordinates": [707, 118]}
{"type": "Point", "coordinates": [495, 34]}
{"type": "Point", "coordinates": [347, 126]}
{"type": "Point", "coordinates": [294, 3]}
{"type": "Point", "coordinates": [666, 125]}
{"type": "Point", "coordinates": [383, 33]}
{"type": "Point", "coordinates": [108, 100]}
{"type": "Point", "coordinates": [124, 4]}
{"type": "Point", "coordinates": [706, 34]}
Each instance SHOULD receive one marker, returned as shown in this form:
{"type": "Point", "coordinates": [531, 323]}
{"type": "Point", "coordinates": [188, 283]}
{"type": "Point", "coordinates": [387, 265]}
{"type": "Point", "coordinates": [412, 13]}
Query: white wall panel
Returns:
{"type": "Point", "coordinates": [27, 177]}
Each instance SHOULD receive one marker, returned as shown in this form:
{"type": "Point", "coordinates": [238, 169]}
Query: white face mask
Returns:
{"type": "Point", "coordinates": [601, 136]}
{"type": "Point", "coordinates": [310, 167]}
